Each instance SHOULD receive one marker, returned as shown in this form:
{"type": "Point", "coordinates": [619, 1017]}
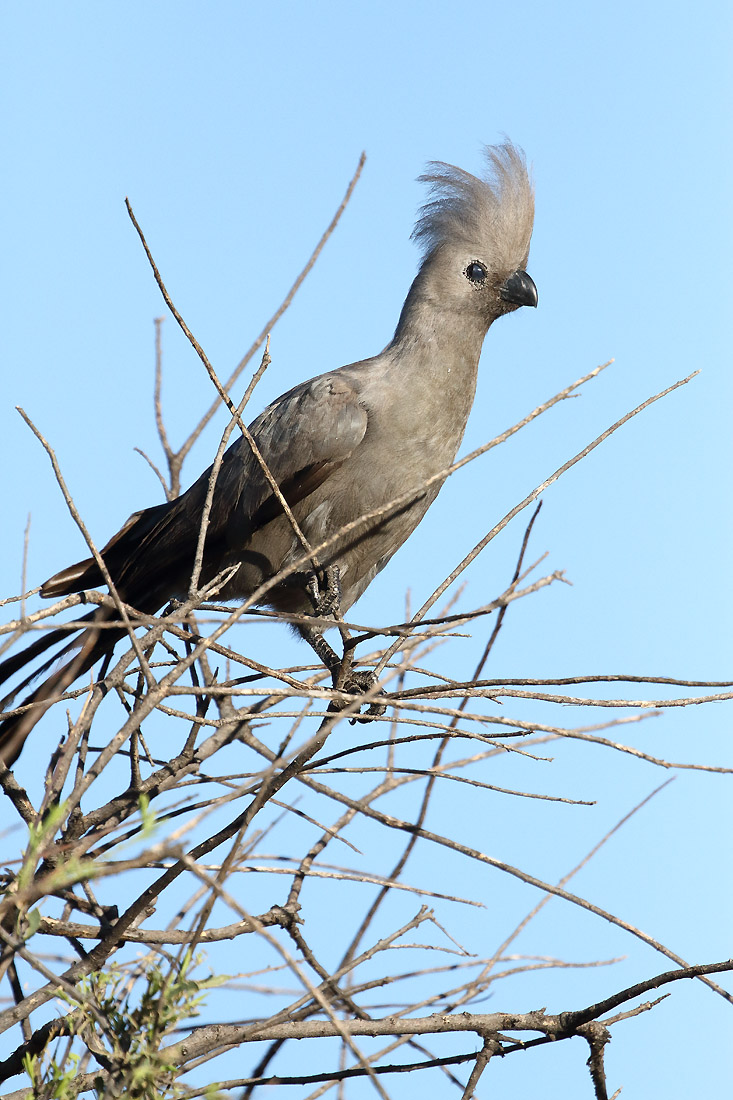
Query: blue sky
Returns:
{"type": "Point", "coordinates": [234, 128]}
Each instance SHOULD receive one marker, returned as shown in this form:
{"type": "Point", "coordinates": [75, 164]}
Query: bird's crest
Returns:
{"type": "Point", "coordinates": [492, 216]}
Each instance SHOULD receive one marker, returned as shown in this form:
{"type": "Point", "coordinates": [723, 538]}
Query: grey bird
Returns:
{"type": "Point", "coordinates": [341, 445]}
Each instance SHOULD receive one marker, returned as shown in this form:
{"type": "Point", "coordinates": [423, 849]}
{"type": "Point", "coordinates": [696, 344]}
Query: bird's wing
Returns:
{"type": "Point", "coordinates": [302, 437]}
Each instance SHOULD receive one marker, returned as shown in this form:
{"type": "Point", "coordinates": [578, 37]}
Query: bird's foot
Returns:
{"type": "Point", "coordinates": [346, 678]}
{"type": "Point", "coordinates": [359, 682]}
{"type": "Point", "coordinates": [324, 590]}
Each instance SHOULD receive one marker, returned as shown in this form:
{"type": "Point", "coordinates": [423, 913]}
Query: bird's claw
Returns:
{"type": "Point", "coordinates": [359, 682]}
{"type": "Point", "coordinates": [324, 590]}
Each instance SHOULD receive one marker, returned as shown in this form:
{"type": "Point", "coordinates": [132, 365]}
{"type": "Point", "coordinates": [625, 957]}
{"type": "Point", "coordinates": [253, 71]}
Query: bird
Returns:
{"type": "Point", "coordinates": [340, 445]}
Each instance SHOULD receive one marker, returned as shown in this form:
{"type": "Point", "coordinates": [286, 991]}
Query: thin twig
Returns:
{"type": "Point", "coordinates": [529, 499]}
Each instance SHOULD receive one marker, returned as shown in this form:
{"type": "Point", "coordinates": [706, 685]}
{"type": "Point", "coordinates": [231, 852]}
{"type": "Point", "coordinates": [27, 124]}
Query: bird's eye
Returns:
{"type": "Point", "coordinates": [476, 272]}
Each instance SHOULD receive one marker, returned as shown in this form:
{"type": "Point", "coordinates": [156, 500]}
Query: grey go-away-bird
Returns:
{"type": "Point", "coordinates": [341, 445]}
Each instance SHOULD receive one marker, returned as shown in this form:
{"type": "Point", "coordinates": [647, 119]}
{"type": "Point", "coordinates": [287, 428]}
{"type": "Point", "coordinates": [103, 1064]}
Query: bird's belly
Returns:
{"type": "Point", "coordinates": [331, 516]}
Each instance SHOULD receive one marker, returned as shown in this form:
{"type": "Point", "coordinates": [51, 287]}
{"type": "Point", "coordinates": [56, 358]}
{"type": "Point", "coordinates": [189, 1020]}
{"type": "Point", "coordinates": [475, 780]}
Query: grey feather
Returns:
{"type": "Point", "coordinates": [494, 215]}
{"type": "Point", "coordinates": [343, 444]}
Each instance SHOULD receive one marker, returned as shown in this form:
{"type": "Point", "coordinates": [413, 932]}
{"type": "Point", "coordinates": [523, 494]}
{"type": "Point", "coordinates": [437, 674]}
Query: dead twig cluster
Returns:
{"type": "Point", "coordinates": [189, 750]}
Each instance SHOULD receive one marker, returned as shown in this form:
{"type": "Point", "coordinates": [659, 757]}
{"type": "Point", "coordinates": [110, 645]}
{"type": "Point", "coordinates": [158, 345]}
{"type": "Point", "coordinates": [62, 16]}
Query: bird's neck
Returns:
{"type": "Point", "coordinates": [428, 325]}
{"type": "Point", "coordinates": [435, 353]}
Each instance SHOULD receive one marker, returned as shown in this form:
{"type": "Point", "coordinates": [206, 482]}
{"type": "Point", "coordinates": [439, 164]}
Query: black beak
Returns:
{"type": "Point", "coordinates": [519, 290]}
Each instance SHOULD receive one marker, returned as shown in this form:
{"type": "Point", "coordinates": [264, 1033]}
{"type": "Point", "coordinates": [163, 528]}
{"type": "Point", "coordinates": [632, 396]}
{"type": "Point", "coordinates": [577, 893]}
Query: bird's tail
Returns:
{"type": "Point", "coordinates": [149, 559]}
{"type": "Point", "coordinates": [92, 643]}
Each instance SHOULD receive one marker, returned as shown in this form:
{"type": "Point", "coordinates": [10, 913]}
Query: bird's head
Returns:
{"type": "Point", "coordinates": [475, 236]}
